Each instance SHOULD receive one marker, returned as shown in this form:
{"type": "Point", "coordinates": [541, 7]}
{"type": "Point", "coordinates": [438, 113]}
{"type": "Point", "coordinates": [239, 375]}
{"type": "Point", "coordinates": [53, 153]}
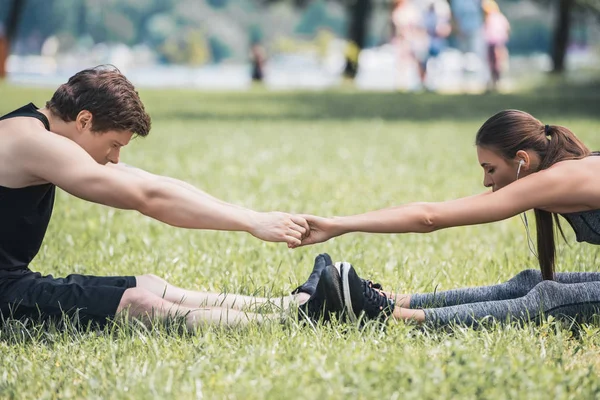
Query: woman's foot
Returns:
{"type": "Point", "coordinates": [362, 298]}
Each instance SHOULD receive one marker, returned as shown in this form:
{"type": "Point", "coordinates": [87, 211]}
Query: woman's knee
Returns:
{"type": "Point", "coordinates": [527, 276]}
{"type": "Point", "coordinates": [547, 292]}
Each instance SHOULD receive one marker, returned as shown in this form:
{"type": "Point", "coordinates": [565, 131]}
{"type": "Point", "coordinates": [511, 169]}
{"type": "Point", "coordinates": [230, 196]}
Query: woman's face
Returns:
{"type": "Point", "coordinates": [497, 171]}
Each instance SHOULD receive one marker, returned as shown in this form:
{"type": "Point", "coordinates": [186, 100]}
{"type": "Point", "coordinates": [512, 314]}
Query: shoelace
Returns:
{"type": "Point", "coordinates": [373, 285]}
{"type": "Point", "coordinates": [375, 298]}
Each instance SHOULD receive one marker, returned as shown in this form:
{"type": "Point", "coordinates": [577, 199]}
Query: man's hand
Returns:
{"type": "Point", "coordinates": [279, 227]}
{"type": "Point", "coordinates": [320, 230]}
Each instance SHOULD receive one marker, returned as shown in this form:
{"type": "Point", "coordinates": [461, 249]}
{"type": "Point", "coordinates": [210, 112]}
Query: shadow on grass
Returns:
{"type": "Point", "coordinates": [547, 103]}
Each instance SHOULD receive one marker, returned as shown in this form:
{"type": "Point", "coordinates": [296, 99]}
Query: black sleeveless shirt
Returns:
{"type": "Point", "coordinates": [586, 224]}
{"type": "Point", "coordinates": [24, 213]}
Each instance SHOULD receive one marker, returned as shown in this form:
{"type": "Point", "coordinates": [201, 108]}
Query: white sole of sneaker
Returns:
{"type": "Point", "coordinates": [344, 268]}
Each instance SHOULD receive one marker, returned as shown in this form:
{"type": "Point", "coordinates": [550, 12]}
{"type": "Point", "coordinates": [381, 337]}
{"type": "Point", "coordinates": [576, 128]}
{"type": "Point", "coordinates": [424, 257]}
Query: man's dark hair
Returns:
{"type": "Point", "coordinates": [106, 93]}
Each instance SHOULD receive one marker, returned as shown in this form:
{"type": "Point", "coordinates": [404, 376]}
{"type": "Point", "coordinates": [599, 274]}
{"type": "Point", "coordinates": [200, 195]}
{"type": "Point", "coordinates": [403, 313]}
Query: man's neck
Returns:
{"type": "Point", "coordinates": [57, 125]}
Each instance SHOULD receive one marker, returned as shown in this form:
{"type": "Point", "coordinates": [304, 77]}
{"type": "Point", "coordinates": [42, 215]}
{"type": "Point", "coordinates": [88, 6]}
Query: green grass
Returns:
{"type": "Point", "coordinates": [331, 153]}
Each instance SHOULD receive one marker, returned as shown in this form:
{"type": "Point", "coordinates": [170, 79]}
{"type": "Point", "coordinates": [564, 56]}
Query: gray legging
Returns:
{"type": "Point", "coordinates": [524, 297]}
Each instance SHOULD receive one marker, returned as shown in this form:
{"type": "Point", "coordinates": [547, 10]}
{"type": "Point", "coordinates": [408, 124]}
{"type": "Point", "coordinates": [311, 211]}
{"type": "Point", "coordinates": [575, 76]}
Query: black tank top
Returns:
{"type": "Point", "coordinates": [586, 224]}
{"type": "Point", "coordinates": [24, 213]}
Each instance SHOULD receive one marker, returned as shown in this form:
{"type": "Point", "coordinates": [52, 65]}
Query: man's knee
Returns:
{"type": "Point", "coordinates": [153, 283]}
{"type": "Point", "coordinates": [150, 278]}
{"type": "Point", "coordinates": [138, 301]}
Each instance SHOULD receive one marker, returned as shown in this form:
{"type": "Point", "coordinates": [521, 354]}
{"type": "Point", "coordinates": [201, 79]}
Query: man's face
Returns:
{"type": "Point", "coordinates": [104, 147]}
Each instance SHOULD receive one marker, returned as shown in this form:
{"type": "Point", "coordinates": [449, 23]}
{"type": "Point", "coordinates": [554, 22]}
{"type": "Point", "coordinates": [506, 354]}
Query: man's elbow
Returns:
{"type": "Point", "coordinates": [145, 199]}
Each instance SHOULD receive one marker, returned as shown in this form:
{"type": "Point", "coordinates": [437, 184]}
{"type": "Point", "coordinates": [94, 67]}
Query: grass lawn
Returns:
{"type": "Point", "coordinates": [331, 153]}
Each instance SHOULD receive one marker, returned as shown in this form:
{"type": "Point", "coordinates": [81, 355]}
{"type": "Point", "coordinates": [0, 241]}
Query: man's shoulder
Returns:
{"type": "Point", "coordinates": [24, 142]}
{"type": "Point", "coordinates": [19, 134]}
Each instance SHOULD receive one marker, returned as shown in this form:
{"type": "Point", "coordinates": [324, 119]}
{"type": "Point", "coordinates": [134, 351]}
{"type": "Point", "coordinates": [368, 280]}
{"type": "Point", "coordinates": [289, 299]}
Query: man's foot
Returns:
{"type": "Point", "coordinates": [327, 299]}
{"type": "Point", "coordinates": [310, 286]}
{"type": "Point", "coordinates": [360, 296]}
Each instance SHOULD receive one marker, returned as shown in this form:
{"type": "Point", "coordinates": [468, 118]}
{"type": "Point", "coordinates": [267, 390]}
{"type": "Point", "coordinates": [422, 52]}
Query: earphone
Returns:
{"type": "Point", "coordinates": [524, 217]}
{"type": "Point", "coordinates": [521, 162]}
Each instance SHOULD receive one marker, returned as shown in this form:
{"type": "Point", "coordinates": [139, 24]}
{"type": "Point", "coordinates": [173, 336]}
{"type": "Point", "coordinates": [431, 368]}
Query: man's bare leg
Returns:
{"type": "Point", "coordinates": [144, 305]}
{"type": "Point", "coordinates": [194, 299]}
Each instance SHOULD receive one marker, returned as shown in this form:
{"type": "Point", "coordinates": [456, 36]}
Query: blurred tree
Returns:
{"type": "Point", "coordinates": [561, 35]}
{"type": "Point", "coordinates": [359, 12]}
{"type": "Point", "coordinates": [12, 23]}
{"type": "Point", "coordinates": [562, 29]}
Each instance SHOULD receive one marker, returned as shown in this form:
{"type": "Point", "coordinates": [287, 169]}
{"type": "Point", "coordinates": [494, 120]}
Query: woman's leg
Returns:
{"type": "Point", "coordinates": [517, 286]}
{"type": "Point", "coordinates": [575, 300]}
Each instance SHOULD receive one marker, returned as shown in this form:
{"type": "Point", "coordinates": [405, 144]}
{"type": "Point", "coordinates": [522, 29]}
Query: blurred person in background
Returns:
{"type": "Point", "coordinates": [496, 32]}
{"type": "Point", "coordinates": [257, 59]}
{"type": "Point", "coordinates": [409, 34]}
{"type": "Point", "coordinates": [258, 56]}
{"type": "Point", "coordinates": [436, 20]}
{"type": "Point", "coordinates": [468, 25]}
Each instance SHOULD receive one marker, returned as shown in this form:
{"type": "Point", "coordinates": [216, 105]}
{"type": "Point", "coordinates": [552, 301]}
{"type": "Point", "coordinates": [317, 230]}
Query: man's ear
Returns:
{"type": "Point", "coordinates": [84, 120]}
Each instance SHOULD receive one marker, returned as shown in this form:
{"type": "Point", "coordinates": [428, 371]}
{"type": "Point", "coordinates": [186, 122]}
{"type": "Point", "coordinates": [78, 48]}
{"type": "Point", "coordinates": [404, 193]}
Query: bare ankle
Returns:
{"type": "Point", "coordinates": [301, 298]}
{"type": "Point", "coordinates": [407, 314]}
{"type": "Point", "coordinates": [401, 300]}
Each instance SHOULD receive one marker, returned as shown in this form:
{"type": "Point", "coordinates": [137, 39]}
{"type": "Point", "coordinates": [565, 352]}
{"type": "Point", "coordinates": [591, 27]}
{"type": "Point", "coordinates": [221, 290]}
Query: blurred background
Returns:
{"type": "Point", "coordinates": [398, 45]}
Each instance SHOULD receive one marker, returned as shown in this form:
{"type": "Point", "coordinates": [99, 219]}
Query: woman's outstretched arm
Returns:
{"type": "Point", "coordinates": [561, 189]}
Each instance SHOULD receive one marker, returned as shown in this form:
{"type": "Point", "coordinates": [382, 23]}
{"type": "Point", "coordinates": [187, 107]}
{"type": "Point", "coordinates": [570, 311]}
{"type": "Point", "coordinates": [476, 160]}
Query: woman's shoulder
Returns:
{"type": "Point", "coordinates": [580, 163]}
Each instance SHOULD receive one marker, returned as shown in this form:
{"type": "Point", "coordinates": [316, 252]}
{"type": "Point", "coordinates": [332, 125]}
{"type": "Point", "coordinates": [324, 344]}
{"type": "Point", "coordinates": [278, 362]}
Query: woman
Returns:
{"type": "Point", "coordinates": [496, 30]}
{"type": "Point", "coordinates": [528, 165]}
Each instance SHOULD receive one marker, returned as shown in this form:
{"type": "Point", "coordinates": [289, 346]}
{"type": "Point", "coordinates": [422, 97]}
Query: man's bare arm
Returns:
{"type": "Point", "coordinates": [60, 161]}
{"type": "Point", "coordinates": [148, 175]}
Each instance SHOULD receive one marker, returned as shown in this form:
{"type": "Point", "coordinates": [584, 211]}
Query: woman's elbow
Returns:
{"type": "Point", "coordinates": [428, 222]}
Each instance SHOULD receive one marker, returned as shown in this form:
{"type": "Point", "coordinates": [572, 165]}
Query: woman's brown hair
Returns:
{"type": "Point", "coordinates": [512, 130]}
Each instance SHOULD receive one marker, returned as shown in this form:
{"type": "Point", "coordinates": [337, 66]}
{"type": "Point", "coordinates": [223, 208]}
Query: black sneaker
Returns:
{"type": "Point", "coordinates": [360, 296]}
{"type": "Point", "coordinates": [321, 261]}
{"type": "Point", "coordinates": [327, 299]}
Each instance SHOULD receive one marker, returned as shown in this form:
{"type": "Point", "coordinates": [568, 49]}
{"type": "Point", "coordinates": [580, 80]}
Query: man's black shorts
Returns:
{"type": "Point", "coordinates": [30, 295]}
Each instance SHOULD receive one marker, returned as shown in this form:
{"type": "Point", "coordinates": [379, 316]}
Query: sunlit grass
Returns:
{"type": "Point", "coordinates": [325, 153]}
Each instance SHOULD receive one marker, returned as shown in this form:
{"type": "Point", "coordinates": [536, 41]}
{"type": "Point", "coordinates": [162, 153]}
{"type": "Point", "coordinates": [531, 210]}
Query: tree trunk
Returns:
{"type": "Point", "coordinates": [14, 17]}
{"type": "Point", "coordinates": [561, 35]}
{"type": "Point", "coordinates": [360, 11]}
{"type": "Point", "coordinates": [3, 56]}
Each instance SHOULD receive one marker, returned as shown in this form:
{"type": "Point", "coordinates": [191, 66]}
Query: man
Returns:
{"type": "Point", "coordinates": [74, 143]}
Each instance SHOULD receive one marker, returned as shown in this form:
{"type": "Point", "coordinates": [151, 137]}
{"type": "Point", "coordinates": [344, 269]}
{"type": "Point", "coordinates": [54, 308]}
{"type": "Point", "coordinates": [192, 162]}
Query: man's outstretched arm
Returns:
{"type": "Point", "coordinates": [60, 161]}
{"type": "Point", "coordinates": [130, 169]}
{"type": "Point", "coordinates": [260, 219]}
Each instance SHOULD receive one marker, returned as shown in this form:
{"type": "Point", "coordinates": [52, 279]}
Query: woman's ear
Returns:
{"type": "Point", "coordinates": [522, 158]}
